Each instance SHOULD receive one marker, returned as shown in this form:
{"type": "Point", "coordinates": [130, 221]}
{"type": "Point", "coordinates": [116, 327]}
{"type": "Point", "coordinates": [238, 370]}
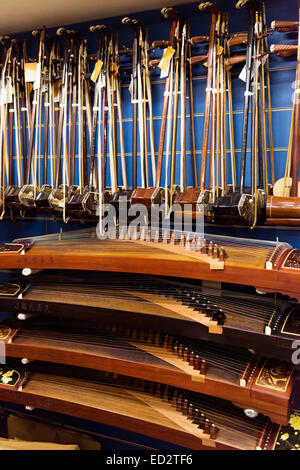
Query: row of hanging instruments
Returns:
{"type": "Point", "coordinates": [62, 134]}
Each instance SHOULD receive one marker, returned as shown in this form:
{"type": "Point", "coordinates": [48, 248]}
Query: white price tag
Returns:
{"type": "Point", "coordinates": [130, 85]}
{"type": "Point", "coordinates": [165, 72]}
{"type": "Point", "coordinates": [2, 95]}
{"type": "Point", "coordinates": [243, 74]}
{"type": "Point", "coordinates": [37, 82]}
{"type": "Point", "coordinates": [9, 91]}
{"type": "Point", "coordinates": [30, 71]}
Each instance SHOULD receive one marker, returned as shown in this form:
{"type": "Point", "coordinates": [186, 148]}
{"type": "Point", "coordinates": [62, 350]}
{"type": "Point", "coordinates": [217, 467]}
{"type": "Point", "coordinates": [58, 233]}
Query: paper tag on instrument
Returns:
{"type": "Point", "coordinates": [97, 70]}
{"type": "Point", "coordinates": [220, 49]}
{"type": "Point", "coordinates": [243, 74]}
{"type": "Point", "coordinates": [165, 73]}
{"type": "Point", "coordinates": [8, 92]}
{"type": "Point", "coordinates": [56, 88]}
{"type": "Point", "coordinates": [166, 58]}
{"type": "Point", "coordinates": [37, 82]}
{"type": "Point", "coordinates": [2, 95]}
{"type": "Point", "coordinates": [29, 88]}
{"type": "Point", "coordinates": [101, 82]}
{"type": "Point", "coordinates": [115, 69]}
{"type": "Point", "coordinates": [31, 70]}
{"type": "Point", "coordinates": [131, 85]}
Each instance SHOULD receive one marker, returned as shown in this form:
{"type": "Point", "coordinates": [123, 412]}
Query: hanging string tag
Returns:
{"type": "Point", "coordinates": [242, 75]}
{"type": "Point", "coordinates": [166, 58]}
{"type": "Point", "coordinates": [97, 70]}
{"type": "Point", "coordinates": [37, 82]}
{"type": "Point", "coordinates": [130, 88]}
{"type": "Point", "coordinates": [56, 88]}
{"type": "Point", "coordinates": [115, 69]}
{"type": "Point", "coordinates": [31, 69]}
{"type": "Point", "coordinates": [102, 81]}
{"type": "Point", "coordinates": [165, 61]}
{"type": "Point", "coordinates": [8, 98]}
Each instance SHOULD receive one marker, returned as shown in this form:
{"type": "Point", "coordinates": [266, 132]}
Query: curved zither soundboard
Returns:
{"type": "Point", "coordinates": [159, 304]}
{"type": "Point", "coordinates": [268, 266]}
{"type": "Point", "coordinates": [184, 418]}
{"type": "Point", "coordinates": [234, 374]}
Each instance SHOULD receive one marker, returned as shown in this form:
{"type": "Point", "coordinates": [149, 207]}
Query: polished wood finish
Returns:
{"type": "Point", "coordinates": [236, 59]}
{"type": "Point", "coordinates": [147, 196]}
{"type": "Point", "coordinates": [213, 9]}
{"type": "Point", "coordinates": [166, 359]}
{"type": "Point", "coordinates": [257, 263]}
{"type": "Point", "coordinates": [238, 38]}
{"type": "Point", "coordinates": [253, 322]}
{"type": "Point", "coordinates": [284, 50]}
{"type": "Point", "coordinates": [160, 412]}
{"type": "Point", "coordinates": [295, 148]}
{"type": "Point", "coordinates": [283, 208]}
{"type": "Point", "coordinates": [284, 26]}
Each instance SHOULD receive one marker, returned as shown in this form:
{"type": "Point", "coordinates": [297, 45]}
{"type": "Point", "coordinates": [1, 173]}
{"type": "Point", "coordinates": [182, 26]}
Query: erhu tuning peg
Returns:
{"type": "Point", "coordinates": [126, 20]}
{"type": "Point", "coordinates": [5, 40]}
{"type": "Point", "coordinates": [61, 32]}
{"type": "Point", "coordinates": [208, 6]}
{"type": "Point", "coordinates": [104, 28]}
{"type": "Point", "coordinates": [166, 12]}
{"type": "Point", "coordinates": [247, 4]}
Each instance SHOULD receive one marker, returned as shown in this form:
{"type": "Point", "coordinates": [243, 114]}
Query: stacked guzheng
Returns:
{"type": "Point", "coordinates": [63, 148]}
{"type": "Point", "coordinates": [116, 337]}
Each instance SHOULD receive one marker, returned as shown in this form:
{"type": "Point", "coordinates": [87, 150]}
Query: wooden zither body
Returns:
{"type": "Point", "coordinates": [234, 374]}
{"type": "Point", "coordinates": [255, 322]}
{"type": "Point", "coordinates": [184, 418]}
{"type": "Point", "coordinates": [273, 267]}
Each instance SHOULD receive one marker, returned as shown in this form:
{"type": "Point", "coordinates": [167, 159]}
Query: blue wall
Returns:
{"type": "Point", "coordinates": [282, 78]}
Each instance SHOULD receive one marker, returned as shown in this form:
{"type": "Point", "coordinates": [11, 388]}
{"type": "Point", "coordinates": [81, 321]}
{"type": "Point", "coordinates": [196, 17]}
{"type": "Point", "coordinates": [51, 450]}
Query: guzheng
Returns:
{"type": "Point", "coordinates": [188, 419]}
{"type": "Point", "coordinates": [234, 374]}
{"type": "Point", "coordinates": [268, 266]}
{"type": "Point", "coordinates": [176, 308]}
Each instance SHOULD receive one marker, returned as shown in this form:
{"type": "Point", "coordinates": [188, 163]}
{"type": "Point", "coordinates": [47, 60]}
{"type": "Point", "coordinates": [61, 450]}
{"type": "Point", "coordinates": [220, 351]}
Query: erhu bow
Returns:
{"type": "Point", "coordinates": [14, 72]}
{"type": "Point", "coordinates": [41, 202]}
{"type": "Point", "coordinates": [5, 98]}
{"type": "Point", "coordinates": [199, 195]}
{"type": "Point", "coordinates": [29, 191]}
{"type": "Point", "coordinates": [247, 205]}
{"type": "Point", "coordinates": [65, 144]}
{"type": "Point", "coordinates": [149, 196]}
{"type": "Point", "coordinates": [84, 201]}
